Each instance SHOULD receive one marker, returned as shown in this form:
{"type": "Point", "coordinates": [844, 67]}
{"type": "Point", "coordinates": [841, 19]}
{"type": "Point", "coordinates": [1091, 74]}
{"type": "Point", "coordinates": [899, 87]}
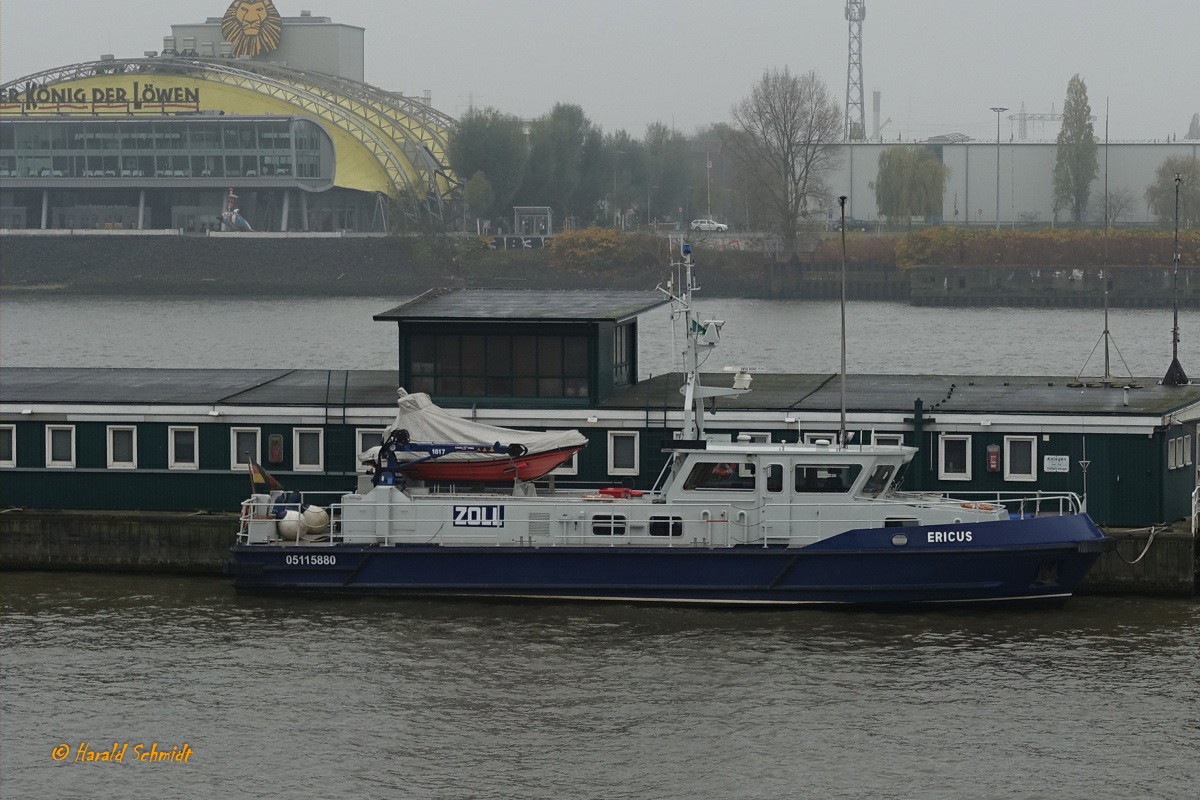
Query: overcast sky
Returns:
{"type": "Point", "coordinates": [939, 64]}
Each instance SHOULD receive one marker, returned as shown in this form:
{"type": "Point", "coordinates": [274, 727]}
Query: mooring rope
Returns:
{"type": "Point", "coordinates": [1153, 532]}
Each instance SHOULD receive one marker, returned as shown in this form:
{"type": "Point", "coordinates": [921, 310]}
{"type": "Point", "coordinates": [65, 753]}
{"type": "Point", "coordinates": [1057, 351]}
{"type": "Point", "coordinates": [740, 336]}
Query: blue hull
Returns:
{"type": "Point", "coordinates": [1041, 561]}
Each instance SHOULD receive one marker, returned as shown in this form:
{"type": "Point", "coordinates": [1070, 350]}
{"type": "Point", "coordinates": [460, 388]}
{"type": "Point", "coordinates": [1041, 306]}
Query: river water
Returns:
{"type": "Point", "coordinates": [414, 699]}
{"type": "Point", "coordinates": [785, 336]}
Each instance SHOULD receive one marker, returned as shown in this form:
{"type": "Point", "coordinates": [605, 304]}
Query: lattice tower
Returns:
{"type": "Point", "coordinates": [856, 115]}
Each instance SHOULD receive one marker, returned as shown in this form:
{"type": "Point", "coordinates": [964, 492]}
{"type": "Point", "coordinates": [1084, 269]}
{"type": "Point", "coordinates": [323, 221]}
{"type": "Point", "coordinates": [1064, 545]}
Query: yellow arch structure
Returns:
{"type": "Point", "coordinates": [383, 142]}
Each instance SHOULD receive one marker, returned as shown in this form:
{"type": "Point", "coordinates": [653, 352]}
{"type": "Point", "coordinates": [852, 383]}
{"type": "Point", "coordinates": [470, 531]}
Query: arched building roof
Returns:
{"type": "Point", "coordinates": [384, 142]}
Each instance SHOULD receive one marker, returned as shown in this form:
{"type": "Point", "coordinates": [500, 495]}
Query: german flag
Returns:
{"type": "Point", "coordinates": [261, 480]}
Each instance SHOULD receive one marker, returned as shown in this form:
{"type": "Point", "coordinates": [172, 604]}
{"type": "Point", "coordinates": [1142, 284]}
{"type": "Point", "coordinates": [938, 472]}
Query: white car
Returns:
{"type": "Point", "coordinates": [708, 225]}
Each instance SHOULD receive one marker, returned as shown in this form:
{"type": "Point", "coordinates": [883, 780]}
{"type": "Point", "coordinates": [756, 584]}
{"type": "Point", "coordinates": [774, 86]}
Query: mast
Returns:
{"type": "Point", "coordinates": [1175, 375]}
{"type": "Point", "coordinates": [842, 428]}
{"type": "Point", "coordinates": [1107, 361]}
{"type": "Point", "coordinates": [701, 336]}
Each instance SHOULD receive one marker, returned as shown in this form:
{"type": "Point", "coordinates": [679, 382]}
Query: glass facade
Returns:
{"type": "Point", "coordinates": [168, 147]}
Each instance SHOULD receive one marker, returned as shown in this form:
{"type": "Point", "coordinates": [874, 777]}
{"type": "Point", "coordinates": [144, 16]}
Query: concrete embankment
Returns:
{"type": "Point", "coordinates": [199, 543]}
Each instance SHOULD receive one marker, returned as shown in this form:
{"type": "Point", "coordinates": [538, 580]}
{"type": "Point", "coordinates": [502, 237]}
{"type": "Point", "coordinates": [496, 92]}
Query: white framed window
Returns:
{"type": "Point", "coordinates": [183, 447]}
{"type": "Point", "coordinates": [889, 439]}
{"type": "Point", "coordinates": [366, 438]}
{"type": "Point", "coordinates": [819, 436]}
{"type": "Point", "coordinates": [308, 445]}
{"type": "Point", "coordinates": [571, 467]}
{"type": "Point", "coordinates": [1020, 458]}
{"type": "Point", "coordinates": [8, 445]}
{"type": "Point", "coordinates": [1173, 453]}
{"type": "Point", "coordinates": [1187, 450]}
{"type": "Point", "coordinates": [245, 445]}
{"type": "Point", "coordinates": [755, 437]}
{"type": "Point", "coordinates": [60, 446]}
{"type": "Point", "coordinates": [623, 452]}
{"type": "Point", "coordinates": [122, 447]}
{"type": "Point", "coordinates": [954, 457]}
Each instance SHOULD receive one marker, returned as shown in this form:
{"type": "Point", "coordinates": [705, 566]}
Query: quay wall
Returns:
{"type": "Point", "coordinates": [103, 541]}
{"type": "Point", "coordinates": [116, 541]}
{"type": "Point", "coordinates": [372, 265]}
{"type": "Point", "coordinates": [1170, 566]}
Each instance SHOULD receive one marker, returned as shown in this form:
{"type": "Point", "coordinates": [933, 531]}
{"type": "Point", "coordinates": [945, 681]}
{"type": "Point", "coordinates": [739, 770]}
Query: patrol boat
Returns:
{"type": "Point", "coordinates": [736, 524]}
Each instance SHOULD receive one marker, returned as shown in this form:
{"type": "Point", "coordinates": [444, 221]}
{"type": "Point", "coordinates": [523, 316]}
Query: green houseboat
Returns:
{"type": "Point", "coordinates": [181, 440]}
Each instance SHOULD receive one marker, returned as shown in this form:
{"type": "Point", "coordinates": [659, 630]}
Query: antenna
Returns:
{"type": "Point", "coordinates": [856, 116]}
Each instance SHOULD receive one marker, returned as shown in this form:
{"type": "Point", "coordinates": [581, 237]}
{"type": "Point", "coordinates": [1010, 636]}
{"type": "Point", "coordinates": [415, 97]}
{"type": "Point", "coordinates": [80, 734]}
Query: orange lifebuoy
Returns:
{"type": "Point", "coordinates": [723, 470]}
{"type": "Point", "coordinates": [979, 506]}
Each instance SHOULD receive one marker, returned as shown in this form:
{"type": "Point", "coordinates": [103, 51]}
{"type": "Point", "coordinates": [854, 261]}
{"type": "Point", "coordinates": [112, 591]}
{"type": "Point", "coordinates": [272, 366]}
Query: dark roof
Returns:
{"type": "Point", "coordinates": [514, 305]}
{"type": "Point", "coordinates": [249, 387]}
{"type": "Point", "coordinates": [948, 393]}
{"type": "Point", "coordinates": [770, 392]}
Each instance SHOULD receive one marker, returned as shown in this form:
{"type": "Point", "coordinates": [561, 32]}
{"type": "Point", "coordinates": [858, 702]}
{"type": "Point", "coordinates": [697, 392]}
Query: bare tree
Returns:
{"type": "Point", "coordinates": [787, 132]}
{"type": "Point", "coordinates": [1120, 205]}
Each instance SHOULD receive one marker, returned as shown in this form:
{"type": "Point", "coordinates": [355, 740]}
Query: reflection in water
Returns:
{"type": "Point", "coordinates": [283, 698]}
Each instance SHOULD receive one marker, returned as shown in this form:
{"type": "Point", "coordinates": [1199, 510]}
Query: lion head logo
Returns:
{"type": "Point", "coordinates": [252, 27]}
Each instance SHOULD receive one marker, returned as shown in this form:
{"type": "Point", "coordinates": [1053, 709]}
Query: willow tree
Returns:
{"type": "Point", "coordinates": [1160, 195]}
{"type": "Point", "coordinates": [788, 131]}
{"type": "Point", "coordinates": [1075, 167]}
{"type": "Point", "coordinates": [911, 183]}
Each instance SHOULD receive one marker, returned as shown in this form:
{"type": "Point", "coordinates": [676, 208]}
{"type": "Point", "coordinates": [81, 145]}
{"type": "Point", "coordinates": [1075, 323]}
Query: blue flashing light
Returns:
{"type": "Point", "coordinates": [687, 249]}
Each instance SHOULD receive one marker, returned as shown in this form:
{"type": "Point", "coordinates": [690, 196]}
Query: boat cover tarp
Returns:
{"type": "Point", "coordinates": [426, 422]}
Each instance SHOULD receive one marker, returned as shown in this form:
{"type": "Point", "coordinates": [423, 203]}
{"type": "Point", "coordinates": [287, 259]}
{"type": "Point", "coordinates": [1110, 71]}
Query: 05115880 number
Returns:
{"type": "Point", "coordinates": [310, 561]}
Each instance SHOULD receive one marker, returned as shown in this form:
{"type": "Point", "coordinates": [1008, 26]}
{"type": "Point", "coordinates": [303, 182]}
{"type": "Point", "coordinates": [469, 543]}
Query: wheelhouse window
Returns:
{"type": "Point", "coordinates": [889, 439]}
{"type": "Point", "coordinates": [1020, 458]}
{"type": "Point", "coordinates": [720, 476]}
{"type": "Point", "coordinates": [879, 480]}
{"type": "Point", "coordinates": [60, 446]}
{"type": "Point", "coordinates": [308, 445]}
{"type": "Point", "coordinates": [8, 445]}
{"type": "Point", "coordinates": [954, 458]}
{"type": "Point", "coordinates": [1187, 451]}
{"type": "Point", "coordinates": [512, 366]}
{"type": "Point", "coordinates": [182, 450]}
{"type": "Point", "coordinates": [245, 446]}
{"type": "Point", "coordinates": [623, 452]}
{"type": "Point", "coordinates": [826, 478]}
{"type": "Point", "coordinates": [122, 447]}
{"type": "Point", "coordinates": [818, 436]}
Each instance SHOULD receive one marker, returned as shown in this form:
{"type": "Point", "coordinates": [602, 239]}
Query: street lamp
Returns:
{"type": "Point", "coordinates": [998, 111]}
{"type": "Point", "coordinates": [616, 163]}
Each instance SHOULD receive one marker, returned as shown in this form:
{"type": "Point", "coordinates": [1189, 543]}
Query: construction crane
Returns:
{"type": "Point", "coordinates": [856, 116]}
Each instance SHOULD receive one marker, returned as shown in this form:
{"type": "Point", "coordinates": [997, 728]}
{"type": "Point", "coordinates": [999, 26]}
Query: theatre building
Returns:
{"type": "Point", "coordinates": [270, 109]}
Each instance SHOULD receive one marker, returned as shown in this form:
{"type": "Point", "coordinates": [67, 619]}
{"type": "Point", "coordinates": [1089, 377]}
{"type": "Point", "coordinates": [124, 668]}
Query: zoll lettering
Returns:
{"type": "Point", "coordinates": [479, 516]}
